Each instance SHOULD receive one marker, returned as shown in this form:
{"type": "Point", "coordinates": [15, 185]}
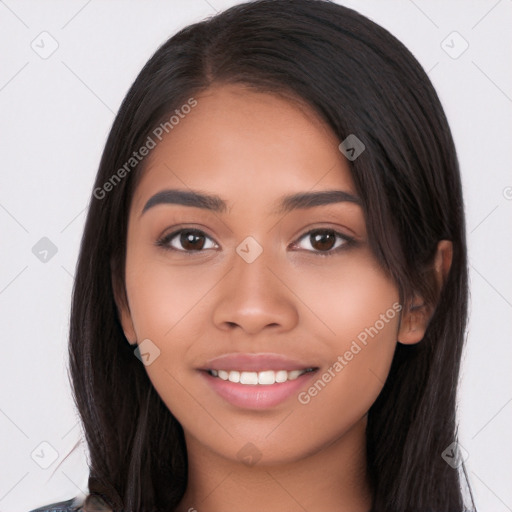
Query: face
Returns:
{"type": "Point", "coordinates": [254, 278]}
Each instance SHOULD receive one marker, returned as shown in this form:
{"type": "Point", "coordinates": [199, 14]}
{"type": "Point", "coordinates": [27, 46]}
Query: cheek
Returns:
{"type": "Point", "coordinates": [348, 301]}
{"type": "Point", "coordinates": [162, 297]}
{"type": "Point", "coordinates": [167, 305]}
{"type": "Point", "coordinates": [361, 310]}
{"type": "Point", "coordinates": [357, 313]}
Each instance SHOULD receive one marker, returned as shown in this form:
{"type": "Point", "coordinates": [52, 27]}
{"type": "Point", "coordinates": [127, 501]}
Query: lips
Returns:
{"type": "Point", "coordinates": [244, 380]}
{"type": "Point", "coordinates": [251, 362]}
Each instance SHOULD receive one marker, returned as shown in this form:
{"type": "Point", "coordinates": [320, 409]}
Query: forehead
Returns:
{"type": "Point", "coordinates": [238, 143]}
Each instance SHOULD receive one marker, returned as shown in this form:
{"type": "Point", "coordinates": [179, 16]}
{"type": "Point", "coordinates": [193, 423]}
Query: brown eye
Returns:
{"type": "Point", "coordinates": [325, 241]}
{"type": "Point", "coordinates": [322, 240]}
{"type": "Point", "coordinates": [187, 240]}
{"type": "Point", "coordinates": [191, 240]}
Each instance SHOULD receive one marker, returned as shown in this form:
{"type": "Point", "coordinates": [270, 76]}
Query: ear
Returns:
{"type": "Point", "coordinates": [123, 311]}
{"type": "Point", "coordinates": [415, 320]}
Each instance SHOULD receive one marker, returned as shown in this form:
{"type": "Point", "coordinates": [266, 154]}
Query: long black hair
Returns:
{"type": "Point", "coordinates": [361, 80]}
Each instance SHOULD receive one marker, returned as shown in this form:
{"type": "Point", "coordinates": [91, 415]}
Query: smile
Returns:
{"type": "Point", "coordinates": [264, 378]}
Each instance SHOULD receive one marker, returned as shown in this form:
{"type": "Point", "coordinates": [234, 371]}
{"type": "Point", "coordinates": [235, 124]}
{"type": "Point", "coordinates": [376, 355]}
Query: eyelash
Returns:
{"type": "Point", "coordinates": [348, 241]}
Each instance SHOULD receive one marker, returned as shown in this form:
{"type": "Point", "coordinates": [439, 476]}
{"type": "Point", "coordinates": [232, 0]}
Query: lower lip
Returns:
{"type": "Point", "coordinates": [257, 396]}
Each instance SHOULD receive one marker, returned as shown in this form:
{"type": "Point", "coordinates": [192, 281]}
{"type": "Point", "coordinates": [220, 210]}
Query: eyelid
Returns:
{"type": "Point", "coordinates": [165, 239]}
{"type": "Point", "coordinates": [347, 240]}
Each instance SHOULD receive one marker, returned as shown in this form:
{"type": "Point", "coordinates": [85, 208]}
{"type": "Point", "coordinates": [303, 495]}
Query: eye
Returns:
{"type": "Point", "coordinates": [323, 241]}
{"type": "Point", "coordinates": [187, 240]}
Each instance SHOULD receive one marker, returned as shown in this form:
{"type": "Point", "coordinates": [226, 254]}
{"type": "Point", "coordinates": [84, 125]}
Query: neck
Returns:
{"type": "Point", "coordinates": [332, 478]}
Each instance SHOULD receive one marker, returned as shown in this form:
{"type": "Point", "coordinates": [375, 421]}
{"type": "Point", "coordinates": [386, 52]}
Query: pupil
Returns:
{"type": "Point", "coordinates": [189, 240]}
{"type": "Point", "coordinates": [323, 240]}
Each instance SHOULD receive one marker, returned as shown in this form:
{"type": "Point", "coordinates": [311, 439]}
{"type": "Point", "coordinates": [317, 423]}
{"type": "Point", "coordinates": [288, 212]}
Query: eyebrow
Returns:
{"type": "Point", "coordinates": [214, 203]}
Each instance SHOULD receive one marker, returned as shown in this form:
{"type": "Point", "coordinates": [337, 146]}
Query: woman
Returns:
{"type": "Point", "coordinates": [271, 293]}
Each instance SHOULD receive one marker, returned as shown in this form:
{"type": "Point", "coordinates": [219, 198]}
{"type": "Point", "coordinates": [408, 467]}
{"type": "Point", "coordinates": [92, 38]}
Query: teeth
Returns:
{"type": "Point", "coordinates": [248, 378]}
{"type": "Point", "coordinates": [234, 376]}
{"type": "Point", "coordinates": [281, 376]}
{"type": "Point", "coordinates": [264, 378]}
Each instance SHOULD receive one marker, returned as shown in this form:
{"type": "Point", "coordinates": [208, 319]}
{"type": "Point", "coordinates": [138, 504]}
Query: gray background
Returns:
{"type": "Point", "coordinates": [56, 113]}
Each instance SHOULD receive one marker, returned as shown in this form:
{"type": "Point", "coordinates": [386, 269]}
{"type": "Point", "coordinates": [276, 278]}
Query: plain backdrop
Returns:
{"type": "Point", "coordinates": [64, 70]}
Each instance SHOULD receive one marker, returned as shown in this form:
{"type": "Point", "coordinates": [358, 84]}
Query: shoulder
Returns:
{"type": "Point", "coordinates": [71, 505]}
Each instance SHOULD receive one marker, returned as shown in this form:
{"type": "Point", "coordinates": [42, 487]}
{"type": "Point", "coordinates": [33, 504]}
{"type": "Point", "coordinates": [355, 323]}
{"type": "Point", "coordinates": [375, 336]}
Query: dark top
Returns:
{"type": "Point", "coordinates": [71, 505]}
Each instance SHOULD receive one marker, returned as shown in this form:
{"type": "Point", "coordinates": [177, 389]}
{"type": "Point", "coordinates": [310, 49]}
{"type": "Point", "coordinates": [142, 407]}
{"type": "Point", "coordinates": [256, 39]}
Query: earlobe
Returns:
{"type": "Point", "coordinates": [414, 321]}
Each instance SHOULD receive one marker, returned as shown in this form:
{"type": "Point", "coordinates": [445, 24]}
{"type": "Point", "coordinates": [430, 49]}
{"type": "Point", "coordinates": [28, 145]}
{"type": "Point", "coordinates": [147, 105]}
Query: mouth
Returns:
{"type": "Point", "coordinates": [259, 378]}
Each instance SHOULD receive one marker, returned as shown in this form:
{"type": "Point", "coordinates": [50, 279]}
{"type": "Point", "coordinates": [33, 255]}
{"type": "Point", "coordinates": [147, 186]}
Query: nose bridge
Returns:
{"type": "Point", "coordinates": [251, 269]}
{"type": "Point", "coordinates": [251, 296]}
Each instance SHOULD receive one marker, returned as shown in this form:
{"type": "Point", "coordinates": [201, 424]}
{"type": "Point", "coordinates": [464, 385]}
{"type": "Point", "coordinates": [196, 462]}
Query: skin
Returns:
{"type": "Point", "coordinates": [251, 149]}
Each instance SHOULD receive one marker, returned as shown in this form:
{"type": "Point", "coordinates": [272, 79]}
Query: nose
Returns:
{"type": "Point", "coordinates": [252, 298]}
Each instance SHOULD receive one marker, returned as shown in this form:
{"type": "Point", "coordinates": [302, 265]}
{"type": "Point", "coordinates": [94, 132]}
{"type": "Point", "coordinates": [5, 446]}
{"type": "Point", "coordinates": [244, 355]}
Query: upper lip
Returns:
{"type": "Point", "coordinates": [254, 362]}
